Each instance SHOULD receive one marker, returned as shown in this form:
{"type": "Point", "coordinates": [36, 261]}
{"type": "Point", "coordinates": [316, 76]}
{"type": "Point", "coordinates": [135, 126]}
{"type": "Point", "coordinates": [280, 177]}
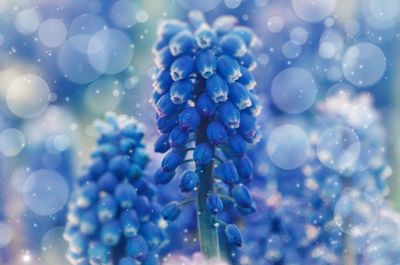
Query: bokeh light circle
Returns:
{"type": "Point", "coordinates": [73, 61]}
{"type": "Point", "coordinates": [291, 50]}
{"type": "Point", "coordinates": [28, 96]}
{"type": "Point", "coordinates": [294, 90]}
{"type": "Point", "coordinates": [7, 234]}
{"type": "Point", "coordinates": [12, 141]}
{"type": "Point", "coordinates": [313, 10]}
{"type": "Point", "coordinates": [123, 12]}
{"type": "Point", "coordinates": [356, 212]}
{"type": "Point", "coordinates": [52, 33]}
{"type": "Point", "coordinates": [54, 246]}
{"type": "Point", "coordinates": [86, 24]}
{"type": "Point", "coordinates": [364, 64]}
{"type": "Point", "coordinates": [204, 5]}
{"type": "Point", "coordinates": [326, 50]}
{"type": "Point", "coordinates": [106, 90]}
{"type": "Point", "coordinates": [232, 3]}
{"type": "Point", "coordinates": [288, 146]}
{"type": "Point", "coordinates": [110, 51]}
{"type": "Point", "coordinates": [299, 35]}
{"type": "Point", "coordinates": [275, 24]}
{"type": "Point", "coordinates": [381, 14]}
{"type": "Point", "coordinates": [45, 192]}
{"type": "Point", "coordinates": [338, 148]}
{"type": "Point", "coordinates": [27, 21]}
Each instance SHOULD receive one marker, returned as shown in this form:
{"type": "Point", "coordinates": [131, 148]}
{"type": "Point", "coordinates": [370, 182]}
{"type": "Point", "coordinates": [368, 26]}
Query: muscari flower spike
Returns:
{"type": "Point", "coordinates": [207, 108]}
{"type": "Point", "coordinates": [113, 216]}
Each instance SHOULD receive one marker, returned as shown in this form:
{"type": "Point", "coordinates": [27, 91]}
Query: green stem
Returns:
{"type": "Point", "coordinates": [208, 232]}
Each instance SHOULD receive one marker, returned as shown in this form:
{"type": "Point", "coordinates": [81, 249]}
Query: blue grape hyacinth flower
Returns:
{"type": "Point", "coordinates": [207, 108]}
{"type": "Point", "coordinates": [113, 216]}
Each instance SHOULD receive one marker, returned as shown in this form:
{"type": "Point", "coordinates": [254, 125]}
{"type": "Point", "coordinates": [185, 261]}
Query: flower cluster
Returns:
{"type": "Point", "coordinates": [113, 217]}
{"type": "Point", "coordinates": [326, 211]}
{"type": "Point", "coordinates": [204, 96]}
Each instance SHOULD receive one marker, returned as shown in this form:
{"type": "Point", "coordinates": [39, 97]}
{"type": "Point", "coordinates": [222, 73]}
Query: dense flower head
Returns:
{"type": "Point", "coordinates": [328, 209]}
{"type": "Point", "coordinates": [207, 107]}
{"type": "Point", "coordinates": [296, 229]}
{"type": "Point", "coordinates": [113, 216]}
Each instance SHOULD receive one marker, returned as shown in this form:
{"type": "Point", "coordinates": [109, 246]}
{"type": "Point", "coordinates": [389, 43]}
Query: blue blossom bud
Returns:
{"type": "Point", "coordinates": [181, 91]}
{"type": "Point", "coordinates": [178, 137]}
{"type": "Point", "coordinates": [227, 173]}
{"type": "Point", "coordinates": [189, 181]}
{"type": "Point", "coordinates": [119, 165]}
{"type": "Point", "coordinates": [229, 115]}
{"type": "Point", "coordinates": [98, 167]}
{"type": "Point", "coordinates": [217, 133]}
{"type": "Point", "coordinates": [158, 45]}
{"type": "Point", "coordinates": [239, 96]}
{"type": "Point", "coordinates": [75, 258]}
{"type": "Point", "coordinates": [181, 68]}
{"type": "Point", "coordinates": [162, 144]}
{"type": "Point", "coordinates": [79, 243]}
{"type": "Point", "coordinates": [182, 43]}
{"type": "Point", "coordinates": [256, 107]}
{"type": "Point", "coordinates": [125, 195]}
{"type": "Point", "coordinates": [162, 81]}
{"type": "Point", "coordinates": [233, 235]}
{"type": "Point", "coordinates": [217, 89]}
{"type": "Point", "coordinates": [196, 18]}
{"type": "Point", "coordinates": [135, 171]}
{"type": "Point", "coordinates": [170, 28]}
{"type": "Point", "coordinates": [238, 145]}
{"type": "Point", "coordinates": [242, 196]}
{"type": "Point", "coordinates": [127, 261]}
{"type": "Point", "coordinates": [246, 34]}
{"type": "Point", "coordinates": [189, 119]}
{"type": "Point", "coordinates": [111, 233]}
{"type": "Point", "coordinates": [206, 63]}
{"type": "Point", "coordinates": [172, 211]}
{"type": "Point", "coordinates": [224, 24]}
{"type": "Point", "coordinates": [151, 259]}
{"type": "Point", "coordinates": [203, 154]}
{"type": "Point", "coordinates": [228, 68]}
{"type": "Point", "coordinates": [89, 222]}
{"type": "Point", "coordinates": [173, 159]}
{"type": "Point", "coordinates": [98, 253]}
{"type": "Point", "coordinates": [248, 61]}
{"type": "Point", "coordinates": [247, 79]}
{"type": "Point", "coordinates": [69, 231]}
{"type": "Point", "coordinates": [165, 124]}
{"type": "Point", "coordinates": [143, 208]}
{"type": "Point", "coordinates": [206, 106]}
{"type": "Point", "coordinates": [127, 145]}
{"type": "Point", "coordinates": [248, 126]}
{"type": "Point", "coordinates": [87, 195]}
{"type": "Point", "coordinates": [164, 58]}
{"type": "Point", "coordinates": [129, 222]}
{"type": "Point", "coordinates": [152, 233]}
{"type": "Point", "coordinates": [214, 204]}
{"type": "Point", "coordinates": [245, 168]}
{"type": "Point", "coordinates": [165, 106]}
{"type": "Point", "coordinates": [136, 247]}
{"type": "Point", "coordinates": [107, 208]}
{"type": "Point", "coordinates": [155, 96]}
{"type": "Point", "coordinates": [233, 45]}
{"type": "Point", "coordinates": [205, 37]}
{"type": "Point", "coordinates": [163, 177]}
